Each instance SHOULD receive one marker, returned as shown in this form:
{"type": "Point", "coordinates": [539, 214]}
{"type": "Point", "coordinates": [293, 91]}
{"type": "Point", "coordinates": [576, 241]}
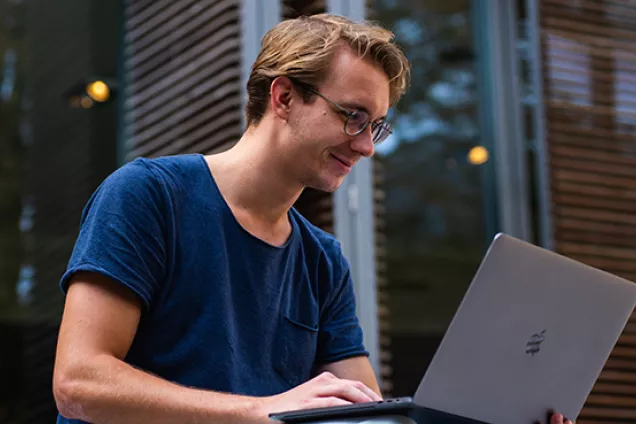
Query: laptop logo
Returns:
{"type": "Point", "coordinates": [534, 344]}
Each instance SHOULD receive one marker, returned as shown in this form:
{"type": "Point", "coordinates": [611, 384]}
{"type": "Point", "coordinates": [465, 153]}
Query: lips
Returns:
{"type": "Point", "coordinates": [343, 161]}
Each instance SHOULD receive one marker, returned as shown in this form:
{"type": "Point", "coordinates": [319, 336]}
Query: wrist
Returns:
{"type": "Point", "coordinates": [256, 410]}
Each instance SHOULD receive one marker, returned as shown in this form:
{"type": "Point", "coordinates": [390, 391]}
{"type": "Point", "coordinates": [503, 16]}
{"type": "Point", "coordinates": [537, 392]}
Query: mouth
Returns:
{"type": "Point", "coordinates": [345, 163]}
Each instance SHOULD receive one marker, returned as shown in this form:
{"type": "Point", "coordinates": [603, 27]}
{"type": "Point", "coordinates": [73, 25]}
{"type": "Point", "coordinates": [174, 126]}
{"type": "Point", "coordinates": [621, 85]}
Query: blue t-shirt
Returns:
{"type": "Point", "coordinates": [222, 309]}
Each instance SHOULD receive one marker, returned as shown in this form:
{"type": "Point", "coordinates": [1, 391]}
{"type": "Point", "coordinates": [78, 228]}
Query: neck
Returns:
{"type": "Point", "coordinates": [253, 177]}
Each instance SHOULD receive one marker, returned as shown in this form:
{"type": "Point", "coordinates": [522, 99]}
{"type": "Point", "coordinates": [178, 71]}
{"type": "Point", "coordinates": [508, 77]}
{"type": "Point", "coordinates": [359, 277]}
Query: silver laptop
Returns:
{"type": "Point", "coordinates": [532, 333]}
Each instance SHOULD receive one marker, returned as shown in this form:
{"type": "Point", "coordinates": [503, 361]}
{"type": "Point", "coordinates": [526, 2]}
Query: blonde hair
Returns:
{"type": "Point", "coordinates": [303, 48]}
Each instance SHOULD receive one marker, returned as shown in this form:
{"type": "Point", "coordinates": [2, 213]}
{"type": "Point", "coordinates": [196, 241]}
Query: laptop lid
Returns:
{"type": "Point", "coordinates": [531, 334]}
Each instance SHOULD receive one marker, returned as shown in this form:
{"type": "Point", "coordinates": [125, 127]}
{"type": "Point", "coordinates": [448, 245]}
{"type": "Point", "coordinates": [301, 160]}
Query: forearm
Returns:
{"type": "Point", "coordinates": [111, 391]}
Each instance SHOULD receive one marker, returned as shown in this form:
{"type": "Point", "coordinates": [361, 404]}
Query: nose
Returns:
{"type": "Point", "coordinates": [363, 143]}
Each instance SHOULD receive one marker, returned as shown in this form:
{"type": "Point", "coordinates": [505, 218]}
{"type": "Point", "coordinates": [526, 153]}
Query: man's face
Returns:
{"type": "Point", "coordinates": [324, 154]}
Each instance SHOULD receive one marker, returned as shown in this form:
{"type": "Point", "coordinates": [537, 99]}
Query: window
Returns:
{"type": "Point", "coordinates": [56, 145]}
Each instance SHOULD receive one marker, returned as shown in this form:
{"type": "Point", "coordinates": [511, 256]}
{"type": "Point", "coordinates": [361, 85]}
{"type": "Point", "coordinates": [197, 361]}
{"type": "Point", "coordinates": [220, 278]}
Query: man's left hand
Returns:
{"type": "Point", "coordinates": [559, 419]}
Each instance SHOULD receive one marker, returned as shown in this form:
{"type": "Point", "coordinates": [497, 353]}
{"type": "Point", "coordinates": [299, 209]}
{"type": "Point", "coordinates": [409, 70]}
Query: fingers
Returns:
{"type": "Point", "coordinates": [352, 391]}
{"type": "Point", "coordinates": [344, 390]}
{"type": "Point", "coordinates": [325, 402]}
{"type": "Point", "coordinates": [366, 390]}
{"type": "Point", "coordinates": [559, 419]}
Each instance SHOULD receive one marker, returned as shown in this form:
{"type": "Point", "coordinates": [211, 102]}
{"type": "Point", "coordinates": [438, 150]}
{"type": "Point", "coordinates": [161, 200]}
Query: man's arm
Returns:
{"type": "Point", "coordinates": [93, 383]}
{"type": "Point", "coordinates": [357, 368]}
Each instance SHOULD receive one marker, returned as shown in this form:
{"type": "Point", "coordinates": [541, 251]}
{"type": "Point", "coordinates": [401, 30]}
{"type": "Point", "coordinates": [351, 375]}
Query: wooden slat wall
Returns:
{"type": "Point", "coordinates": [589, 57]}
{"type": "Point", "coordinates": [182, 65]}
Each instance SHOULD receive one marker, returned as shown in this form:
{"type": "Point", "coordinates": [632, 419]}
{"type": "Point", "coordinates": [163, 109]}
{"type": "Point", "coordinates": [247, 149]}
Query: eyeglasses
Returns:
{"type": "Point", "coordinates": [357, 121]}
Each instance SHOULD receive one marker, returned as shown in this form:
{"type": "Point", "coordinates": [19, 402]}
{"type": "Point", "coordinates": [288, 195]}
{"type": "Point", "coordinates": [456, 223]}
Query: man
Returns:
{"type": "Point", "coordinates": [195, 292]}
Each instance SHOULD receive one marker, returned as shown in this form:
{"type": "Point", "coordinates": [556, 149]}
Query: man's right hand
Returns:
{"type": "Point", "coordinates": [322, 391]}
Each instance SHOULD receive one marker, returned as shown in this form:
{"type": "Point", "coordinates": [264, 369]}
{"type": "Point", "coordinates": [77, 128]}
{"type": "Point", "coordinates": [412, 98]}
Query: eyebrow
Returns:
{"type": "Point", "coordinates": [357, 106]}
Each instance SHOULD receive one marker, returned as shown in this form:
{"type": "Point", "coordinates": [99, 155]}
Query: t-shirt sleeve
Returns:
{"type": "Point", "coordinates": [340, 335]}
{"type": "Point", "coordinates": [123, 232]}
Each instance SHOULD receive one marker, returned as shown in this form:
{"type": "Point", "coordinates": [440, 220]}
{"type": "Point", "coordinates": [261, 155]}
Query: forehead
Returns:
{"type": "Point", "coordinates": [354, 79]}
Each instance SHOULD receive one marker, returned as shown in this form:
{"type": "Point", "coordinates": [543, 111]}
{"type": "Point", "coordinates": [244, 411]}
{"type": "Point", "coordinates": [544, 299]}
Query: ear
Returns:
{"type": "Point", "coordinates": [281, 99]}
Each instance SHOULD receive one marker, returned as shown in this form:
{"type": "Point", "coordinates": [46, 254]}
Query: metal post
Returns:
{"type": "Point", "coordinates": [546, 232]}
{"type": "Point", "coordinates": [257, 17]}
{"type": "Point", "coordinates": [501, 112]}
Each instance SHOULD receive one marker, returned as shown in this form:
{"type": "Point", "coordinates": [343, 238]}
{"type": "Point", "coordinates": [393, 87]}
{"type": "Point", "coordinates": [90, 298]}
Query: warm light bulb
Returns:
{"type": "Point", "coordinates": [98, 91]}
{"type": "Point", "coordinates": [478, 155]}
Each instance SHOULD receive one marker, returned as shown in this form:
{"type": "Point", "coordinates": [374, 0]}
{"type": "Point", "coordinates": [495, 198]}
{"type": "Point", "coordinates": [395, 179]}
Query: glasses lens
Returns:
{"type": "Point", "coordinates": [381, 132]}
{"type": "Point", "coordinates": [357, 122]}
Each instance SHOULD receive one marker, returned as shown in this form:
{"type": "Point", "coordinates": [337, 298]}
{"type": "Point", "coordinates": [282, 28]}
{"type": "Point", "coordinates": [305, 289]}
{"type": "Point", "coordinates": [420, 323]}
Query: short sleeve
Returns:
{"type": "Point", "coordinates": [123, 232]}
{"type": "Point", "coordinates": [340, 336]}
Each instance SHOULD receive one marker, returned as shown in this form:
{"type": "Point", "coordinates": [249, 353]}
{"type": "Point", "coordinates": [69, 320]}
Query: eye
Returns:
{"type": "Point", "coordinates": [358, 118]}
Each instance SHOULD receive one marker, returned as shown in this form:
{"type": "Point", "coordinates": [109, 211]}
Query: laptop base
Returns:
{"type": "Point", "coordinates": [400, 407]}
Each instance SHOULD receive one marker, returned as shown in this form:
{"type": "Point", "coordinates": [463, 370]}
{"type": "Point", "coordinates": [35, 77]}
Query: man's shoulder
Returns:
{"type": "Point", "coordinates": [172, 171]}
{"type": "Point", "coordinates": [323, 241]}
{"type": "Point", "coordinates": [161, 165]}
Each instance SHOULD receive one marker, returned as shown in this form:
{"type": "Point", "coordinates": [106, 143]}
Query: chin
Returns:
{"type": "Point", "coordinates": [328, 186]}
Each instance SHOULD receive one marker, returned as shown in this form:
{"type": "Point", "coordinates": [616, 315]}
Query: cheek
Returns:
{"type": "Point", "coordinates": [315, 132]}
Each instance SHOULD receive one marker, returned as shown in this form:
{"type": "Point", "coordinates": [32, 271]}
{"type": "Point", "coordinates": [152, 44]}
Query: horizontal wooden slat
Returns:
{"type": "Point", "coordinates": [598, 215]}
{"type": "Point", "coordinates": [611, 413]}
{"type": "Point", "coordinates": [565, 60]}
{"type": "Point", "coordinates": [585, 234]}
{"type": "Point", "coordinates": [601, 96]}
{"type": "Point", "coordinates": [615, 389]}
{"type": "Point", "coordinates": [593, 22]}
{"type": "Point", "coordinates": [576, 200]}
{"type": "Point", "coordinates": [621, 364]}
{"type": "Point", "coordinates": [619, 376]}
{"type": "Point", "coordinates": [597, 137]}
{"type": "Point", "coordinates": [595, 109]}
{"type": "Point", "coordinates": [598, 251]}
{"type": "Point", "coordinates": [609, 400]}
{"type": "Point", "coordinates": [584, 177]}
{"type": "Point", "coordinates": [590, 120]}
{"type": "Point", "coordinates": [589, 154]}
{"type": "Point", "coordinates": [562, 43]}
{"type": "Point", "coordinates": [627, 340]}
{"type": "Point", "coordinates": [613, 8]}
{"type": "Point", "coordinates": [600, 35]}
{"type": "Point", "coordinates": [582, 72]}
{"type": "Point", "coordinates": [600, 168]}
{"type": "Point", "coordinates": [596, 192]}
